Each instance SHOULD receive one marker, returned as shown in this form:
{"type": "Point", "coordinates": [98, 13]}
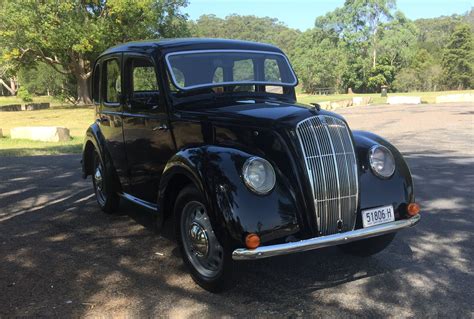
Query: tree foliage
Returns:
{"type": "Point", "coordinates": [250, 28]}
{"type": "Point", "coordinates": [458, 59]}
{"type": "Point", "coordinates": [361, 45]}
{"type": "Point", "coordinates": [68, 35]}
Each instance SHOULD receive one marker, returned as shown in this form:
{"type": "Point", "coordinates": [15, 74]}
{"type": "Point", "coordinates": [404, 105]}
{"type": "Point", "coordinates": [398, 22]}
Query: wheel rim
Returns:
{"type": "Point", "coordinates": [200, 243]}
{"type": "Point", "coordinates": [99, 183]}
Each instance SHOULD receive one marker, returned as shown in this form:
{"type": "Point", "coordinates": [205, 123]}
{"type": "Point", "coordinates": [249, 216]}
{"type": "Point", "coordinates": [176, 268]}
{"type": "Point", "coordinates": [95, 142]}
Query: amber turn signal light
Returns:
{"type": "Point", "coordinates": [413, 209]}
{"type": "Point", "coordinates": [252, 241]}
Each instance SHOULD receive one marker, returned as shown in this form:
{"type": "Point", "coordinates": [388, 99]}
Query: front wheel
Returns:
{"type": "Point", "coordinates": [368, 247]}
{"type": "Point", "coordinates": [209, 262]}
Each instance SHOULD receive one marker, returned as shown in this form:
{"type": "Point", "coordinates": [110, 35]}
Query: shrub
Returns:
{"type": "Point", "coordinates": [24, 95]}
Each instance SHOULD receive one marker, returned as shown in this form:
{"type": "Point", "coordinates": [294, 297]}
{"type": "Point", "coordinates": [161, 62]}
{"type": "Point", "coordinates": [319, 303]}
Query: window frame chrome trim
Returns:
{"type": "Point", "coordinates": [173, 78]}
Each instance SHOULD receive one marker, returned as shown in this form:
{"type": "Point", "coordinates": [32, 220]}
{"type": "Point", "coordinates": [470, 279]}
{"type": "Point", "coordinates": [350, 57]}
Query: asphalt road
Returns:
{"type": "Point", "coordinates": [60, 256]}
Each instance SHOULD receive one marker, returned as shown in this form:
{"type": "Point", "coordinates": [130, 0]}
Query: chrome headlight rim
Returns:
{"type": "Point", "coordinates": [245, 170]}
{"type": "Point", "coordinates": [387, 153]}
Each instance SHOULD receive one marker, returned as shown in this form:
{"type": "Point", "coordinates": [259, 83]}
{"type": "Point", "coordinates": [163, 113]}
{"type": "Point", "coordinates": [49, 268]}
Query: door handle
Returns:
{"type": "Point", "coordinates": [161, 127]}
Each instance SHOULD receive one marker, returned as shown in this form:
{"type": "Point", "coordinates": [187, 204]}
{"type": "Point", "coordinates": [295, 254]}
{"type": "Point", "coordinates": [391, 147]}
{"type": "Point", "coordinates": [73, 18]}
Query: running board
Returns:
{"type": "Point", "coordinates": [139, 202]}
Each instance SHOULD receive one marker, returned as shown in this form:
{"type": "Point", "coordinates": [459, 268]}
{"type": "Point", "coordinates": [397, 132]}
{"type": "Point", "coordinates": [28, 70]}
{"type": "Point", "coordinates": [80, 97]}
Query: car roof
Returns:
{"type": "Point", "coordinates": [186, 44]}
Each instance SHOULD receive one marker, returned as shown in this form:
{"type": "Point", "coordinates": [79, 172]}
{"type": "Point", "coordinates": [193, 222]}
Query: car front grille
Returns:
{"type": "Point", "coordinates": [332, 172]}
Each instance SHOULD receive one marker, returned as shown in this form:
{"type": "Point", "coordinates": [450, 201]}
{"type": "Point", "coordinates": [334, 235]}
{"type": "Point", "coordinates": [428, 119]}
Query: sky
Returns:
{"type": "Point", "coordinates": [300, 14]}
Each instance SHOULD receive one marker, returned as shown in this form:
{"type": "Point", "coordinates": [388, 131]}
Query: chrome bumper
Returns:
{"type": "Point", "coordinates": [323, 241]}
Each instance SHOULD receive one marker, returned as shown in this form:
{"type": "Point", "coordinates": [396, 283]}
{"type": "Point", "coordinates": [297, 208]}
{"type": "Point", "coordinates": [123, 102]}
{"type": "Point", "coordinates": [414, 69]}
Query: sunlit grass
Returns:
{"type": "Point", "coordinates": [9, 147]}
{"type": "Point", "coordinates": [77, 120]}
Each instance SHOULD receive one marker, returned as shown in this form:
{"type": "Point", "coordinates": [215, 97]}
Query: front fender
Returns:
{"type": "Point", "coordinates": [374, 191]}
{"type": "Point", "coordinates": [235, 210]}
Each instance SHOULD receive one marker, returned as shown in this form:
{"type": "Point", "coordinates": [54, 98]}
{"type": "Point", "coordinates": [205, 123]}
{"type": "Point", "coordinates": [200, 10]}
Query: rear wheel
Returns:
{"type": "Point", "coordinates": [368, 247]}
{"type": "Point", "coordinates": [209, 262]}
{"type": "Point", "coordinates": [105, 193]}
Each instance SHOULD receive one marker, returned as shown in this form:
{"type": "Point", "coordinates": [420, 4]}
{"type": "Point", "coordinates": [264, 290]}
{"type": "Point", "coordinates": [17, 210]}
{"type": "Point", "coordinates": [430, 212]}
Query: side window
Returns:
{"type": "Point", "coordinates": [143, 76]}
{"type": "Point", "coordinates": [141, 84]}
{"type": "Point", "coordinates": [218, 75]}
{"type": "Point", "coordinates": [180, 80]}
{"type": "Point", "coordinates": [272, 71]}
{"type": "Point", "coordinates": [243, 70]}
{"type": "Point", "coordinates": [96, 84]}
{"type": "Point", "coordinates": [112, 81]}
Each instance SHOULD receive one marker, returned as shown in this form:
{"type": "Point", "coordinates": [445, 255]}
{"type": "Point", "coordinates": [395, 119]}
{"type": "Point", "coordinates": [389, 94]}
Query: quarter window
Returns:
{"type": "Point", "coordinates": [96, 83]}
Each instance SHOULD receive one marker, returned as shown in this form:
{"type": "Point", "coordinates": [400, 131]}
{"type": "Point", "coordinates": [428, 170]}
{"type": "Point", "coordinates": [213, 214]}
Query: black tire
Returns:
{"type": "Point", "coordinates": [213, 269]}
{"type": "Point", "coordinates": [368, 247]}
{"type": "Point", "coordinates": [104, 187]}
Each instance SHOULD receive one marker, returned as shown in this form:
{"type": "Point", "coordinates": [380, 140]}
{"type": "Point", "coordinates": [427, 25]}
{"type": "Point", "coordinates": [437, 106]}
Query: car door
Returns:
{"type": "Point", "coordinates": [109, 117]}
{"type": "Point", "coordinates": [148, 141]}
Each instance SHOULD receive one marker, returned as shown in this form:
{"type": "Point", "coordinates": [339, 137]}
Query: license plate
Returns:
{"type": "Point", "coordinates": [379, 215]}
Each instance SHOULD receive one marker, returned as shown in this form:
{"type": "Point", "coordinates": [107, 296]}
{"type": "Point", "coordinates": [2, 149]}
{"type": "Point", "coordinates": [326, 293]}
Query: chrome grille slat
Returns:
{"type": "Point", "coordinates": [332, 171]}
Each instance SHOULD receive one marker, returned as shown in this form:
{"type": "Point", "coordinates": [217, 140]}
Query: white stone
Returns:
{"type": "Point", "coordinates": [341, 103]}
{"type": "Point", "coordinates": [359, 100]}
{"type": "Point", "coordinates": [404, 100]}
{"type": "Point", "coordinates": [41, 133]}
{"type": "Point", "coordinates": [465, 97]}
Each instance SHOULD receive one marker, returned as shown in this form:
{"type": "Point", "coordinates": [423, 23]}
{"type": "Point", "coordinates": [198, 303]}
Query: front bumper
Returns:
{"type": "Point", "coordinates": [323, 241]}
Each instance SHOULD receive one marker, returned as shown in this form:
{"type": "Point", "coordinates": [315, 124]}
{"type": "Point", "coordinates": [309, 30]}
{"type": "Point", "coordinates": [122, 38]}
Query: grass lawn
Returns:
{"type": "Point", "coordinates": [9, 147]}
{"type": "Point", "coordinates": [77, 120]}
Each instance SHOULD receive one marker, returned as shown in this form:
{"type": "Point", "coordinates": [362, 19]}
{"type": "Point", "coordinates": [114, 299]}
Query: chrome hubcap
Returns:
{"type": "Point", "coordinates": [199, 240]}
{"type": "Point", "coordinates": [99, 184]}
{"type": "Point", "coordinates": [98, 178]}
{"type": "Point", "coordinates": [200, 243]}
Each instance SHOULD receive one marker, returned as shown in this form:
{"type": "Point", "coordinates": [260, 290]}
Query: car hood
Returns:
{"type": "Point", "coordinates": [257, 114]}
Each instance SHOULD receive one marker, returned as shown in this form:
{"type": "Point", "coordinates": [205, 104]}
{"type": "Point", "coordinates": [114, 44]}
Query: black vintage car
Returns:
{"type": "Point", "coordinates": [209, 133]}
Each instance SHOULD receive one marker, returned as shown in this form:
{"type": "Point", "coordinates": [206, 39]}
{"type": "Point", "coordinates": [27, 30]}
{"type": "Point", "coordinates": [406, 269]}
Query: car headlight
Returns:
{"type": "Point", "coordinates": [259, 175]}
{"type": "Point", "coordinates": [381, 161]}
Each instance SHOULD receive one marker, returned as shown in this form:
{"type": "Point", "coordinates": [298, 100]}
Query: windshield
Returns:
{"type": "Point", "coordinates": [211, 68]}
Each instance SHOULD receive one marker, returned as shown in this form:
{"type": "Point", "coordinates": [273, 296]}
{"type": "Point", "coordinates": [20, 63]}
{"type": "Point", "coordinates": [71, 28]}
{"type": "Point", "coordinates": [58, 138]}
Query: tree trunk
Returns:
{"type": "Point", "coordinates": [83, 96]}
{"type": "Point", "coordinates": [374, 62]}
{"type": "Point", "coordinates": [79, 69]}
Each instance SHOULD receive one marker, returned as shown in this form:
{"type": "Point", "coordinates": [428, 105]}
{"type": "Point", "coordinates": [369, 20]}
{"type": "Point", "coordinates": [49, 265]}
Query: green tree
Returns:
{"type": "Point", "coordinates": [42, 79]}
{"type": "Point", "coordinates": [68, 35]}
{"type": "Point", "coordinates": [318, 61]}
{"type": "Point", "coordinates": [458, 59]}
{"type": "Point", "coordinates": [250, 28]}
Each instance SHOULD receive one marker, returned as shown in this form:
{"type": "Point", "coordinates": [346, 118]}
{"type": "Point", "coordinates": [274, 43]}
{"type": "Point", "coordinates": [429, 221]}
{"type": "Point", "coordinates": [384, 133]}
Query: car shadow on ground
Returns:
{"type": "Point", "coordinates": [62, 257]}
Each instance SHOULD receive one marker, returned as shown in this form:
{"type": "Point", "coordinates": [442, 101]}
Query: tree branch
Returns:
{"type": "Point", "coordinates": [52, 62]}
{"type": "Point", "coordinates": [7, 87]}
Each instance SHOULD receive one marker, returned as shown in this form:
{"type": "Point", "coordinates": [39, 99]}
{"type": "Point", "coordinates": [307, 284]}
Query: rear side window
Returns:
{"type": "Point", "coordinates": [96, 84]}
{"type": "Point", "coordinates": [112, 81]}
